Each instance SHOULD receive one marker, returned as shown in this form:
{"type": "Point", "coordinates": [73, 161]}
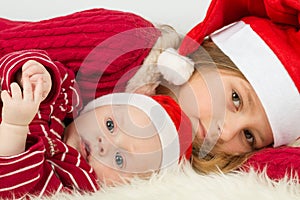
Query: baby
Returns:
{"type": "Point", "coordinates": [116, 136]}
{"type": "Point", "coordinates": [122, 135]}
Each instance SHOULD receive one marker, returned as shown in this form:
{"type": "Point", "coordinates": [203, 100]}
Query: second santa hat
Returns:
{"type": "Point", "coordinates": [173, 126]}
{"type": "Point", "coordinates": [263, 40]}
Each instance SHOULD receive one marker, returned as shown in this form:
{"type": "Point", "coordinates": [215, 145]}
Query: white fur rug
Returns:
{"type": "Point", "coordinates": [185, 184]}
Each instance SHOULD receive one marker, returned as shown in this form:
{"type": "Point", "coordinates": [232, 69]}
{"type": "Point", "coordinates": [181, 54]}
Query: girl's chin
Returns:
{"type": "Point", "coordinates": [201, 132]}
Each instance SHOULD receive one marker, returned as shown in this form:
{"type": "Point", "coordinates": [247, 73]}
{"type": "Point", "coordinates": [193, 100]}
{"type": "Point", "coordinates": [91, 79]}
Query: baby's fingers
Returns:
{"type": "Point", "coordinates": [32, 67]}
{"type": "Point", "coordinates": [5, 96]}
{"type": "Point", "coordinates": [16, 92]}
{"type": "Point", "coordinates": [27, 89]}
{"type": "Point", "coordinates": [38, 91]}
{"type": "Point", "coordinates": [31, 93]}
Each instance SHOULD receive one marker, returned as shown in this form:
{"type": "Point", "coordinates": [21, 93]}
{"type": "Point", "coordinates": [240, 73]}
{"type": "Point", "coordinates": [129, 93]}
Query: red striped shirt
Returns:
{"type": "Point", "coordinates": [48, 165]}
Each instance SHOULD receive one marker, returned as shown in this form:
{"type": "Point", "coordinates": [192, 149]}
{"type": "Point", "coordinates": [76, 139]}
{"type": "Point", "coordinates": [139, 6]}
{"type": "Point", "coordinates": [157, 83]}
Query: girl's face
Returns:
{"type": "Point", "coordinates": [117, 141]}
{"type": "Point", "coordinates": [224, 108]}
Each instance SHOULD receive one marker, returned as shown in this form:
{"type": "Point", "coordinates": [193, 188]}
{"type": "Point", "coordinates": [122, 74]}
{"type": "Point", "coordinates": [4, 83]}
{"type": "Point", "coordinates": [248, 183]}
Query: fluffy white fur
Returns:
{"type": "Point", "coordinates": [186, 184]}
{"type": "Point", "coordinates": [175, 68]}
{"type": "Point", "coordinates": [147, 78]}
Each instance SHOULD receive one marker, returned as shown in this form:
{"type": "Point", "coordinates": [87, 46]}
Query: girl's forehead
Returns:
{"type": "Point", "coordinates": [219, 68]}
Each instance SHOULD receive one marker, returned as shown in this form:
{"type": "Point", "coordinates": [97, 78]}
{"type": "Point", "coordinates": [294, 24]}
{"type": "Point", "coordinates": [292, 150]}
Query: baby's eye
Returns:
{"type": "Point", "coordinates": [110, 125]}
{"type": "Point", "coordinates": [236, 99]}
{"type": "Point", "coordinates": [119, 160]}
{"type": "Point", "coordinates": [249, 137]}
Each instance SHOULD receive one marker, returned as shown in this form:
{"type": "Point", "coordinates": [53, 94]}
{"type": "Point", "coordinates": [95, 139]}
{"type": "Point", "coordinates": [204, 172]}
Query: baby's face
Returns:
{"type": "Point", "coordinates": [117, 141]}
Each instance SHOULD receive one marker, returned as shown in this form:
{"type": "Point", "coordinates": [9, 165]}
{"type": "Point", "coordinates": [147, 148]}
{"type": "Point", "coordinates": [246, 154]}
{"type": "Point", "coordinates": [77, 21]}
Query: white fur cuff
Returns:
{"type": "Point", "coordinates": [175, 68]}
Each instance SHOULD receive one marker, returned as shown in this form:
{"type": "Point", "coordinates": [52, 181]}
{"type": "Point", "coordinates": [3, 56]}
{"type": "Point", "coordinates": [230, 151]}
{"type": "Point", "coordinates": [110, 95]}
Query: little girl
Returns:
{"type": "Point", "coordinates": [257, 43]}
{"type": "Point", "coordinates": [116, 137]}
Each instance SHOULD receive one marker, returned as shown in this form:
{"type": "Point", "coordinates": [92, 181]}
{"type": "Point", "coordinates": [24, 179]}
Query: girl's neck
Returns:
{"type": "Point", "coordinates": [173, 91]}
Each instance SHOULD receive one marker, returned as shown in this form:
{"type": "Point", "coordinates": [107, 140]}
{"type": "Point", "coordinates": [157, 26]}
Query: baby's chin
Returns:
{"type": "Point", "coordinates": [113, 181]}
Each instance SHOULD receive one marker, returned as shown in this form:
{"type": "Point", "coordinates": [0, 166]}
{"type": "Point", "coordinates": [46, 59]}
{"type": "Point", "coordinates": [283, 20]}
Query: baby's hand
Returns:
{"type": "Point", "coordinates": [35, 71]}
{"type": "Point", "coordinates": [20, 109]}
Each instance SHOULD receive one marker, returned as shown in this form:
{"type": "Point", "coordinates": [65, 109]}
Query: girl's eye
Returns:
{"type": "Point", "coordinates": [249, 137]}
{"type": "Point", "coordinates": [110, 125]}
{"type": "Point", "coordinates": [236, 99]}
{"type": "Point", "coordinates": [119, 160]}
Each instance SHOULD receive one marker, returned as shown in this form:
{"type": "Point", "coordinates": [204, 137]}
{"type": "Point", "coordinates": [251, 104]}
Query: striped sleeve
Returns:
{"type": "Point", "coordinates": [63, 110]}
{"type": "Point", "coordinates": [48, 165]}
{"type": "Point", "coordinates": [70, 167]}
{"type": "Point", "coordinates": [24, 172]}
{"type": "Point", "coordinates": [11, 63]}
{"type": "Point", "coordinates": [69, 102]}
{"type": "Point", "coordinates": [40, 172]}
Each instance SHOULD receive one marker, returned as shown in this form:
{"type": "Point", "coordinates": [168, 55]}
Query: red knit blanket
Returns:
{"type": "Point", "coordinates": [277, 162]}
{"type": "Point", "coordinates": [103, 47]}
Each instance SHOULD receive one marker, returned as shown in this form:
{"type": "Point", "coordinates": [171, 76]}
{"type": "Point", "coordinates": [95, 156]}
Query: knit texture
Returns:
{"type": "Point", "coordinates": [277, 162]}
{"type": "Point", "coordinates": [99, 45]}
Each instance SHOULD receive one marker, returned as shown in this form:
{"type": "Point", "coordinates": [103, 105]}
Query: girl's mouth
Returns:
{"type": "Point", "coordinates": [201, 132]}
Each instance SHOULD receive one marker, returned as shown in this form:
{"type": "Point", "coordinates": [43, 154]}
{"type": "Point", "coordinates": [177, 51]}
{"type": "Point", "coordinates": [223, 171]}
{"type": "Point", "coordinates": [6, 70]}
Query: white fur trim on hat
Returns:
{"type": "Point", "coordinates": [148, 75]}
{"type": "Point", "coordinates": [174, 67]}
{"type": "Point", "coordinates": [158, 115]}
{"type": "Point", "coordinates": [267, 75]}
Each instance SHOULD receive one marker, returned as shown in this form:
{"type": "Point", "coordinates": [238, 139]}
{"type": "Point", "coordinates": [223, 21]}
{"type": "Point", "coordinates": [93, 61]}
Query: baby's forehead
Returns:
{"type": "Point", "coordinates": [131, 112]}
{"type": "Point", "coordinates": [133, 120]}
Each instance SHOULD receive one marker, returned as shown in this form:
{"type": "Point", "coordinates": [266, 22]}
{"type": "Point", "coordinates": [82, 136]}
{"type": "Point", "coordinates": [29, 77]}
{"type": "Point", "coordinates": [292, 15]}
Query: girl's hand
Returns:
{"type": "Point", "coordinates": [20, 108]}
{"type": "Point", "coordinates": [35, 71]}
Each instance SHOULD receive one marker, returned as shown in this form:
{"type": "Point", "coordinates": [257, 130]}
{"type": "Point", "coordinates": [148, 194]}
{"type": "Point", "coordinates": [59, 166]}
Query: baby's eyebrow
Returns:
{"type": "Point", "coordinates": [118, 115]}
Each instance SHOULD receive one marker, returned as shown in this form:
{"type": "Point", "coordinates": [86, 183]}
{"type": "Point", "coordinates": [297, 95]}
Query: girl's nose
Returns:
{"type": "Point", "coordinates": [227, 130]}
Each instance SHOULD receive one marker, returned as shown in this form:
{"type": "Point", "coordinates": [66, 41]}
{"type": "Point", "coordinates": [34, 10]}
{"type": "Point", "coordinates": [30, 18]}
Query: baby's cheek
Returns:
{"type": "Point", "coordinates": [100, 169]}
{"type": "Point", "coordinates": [107, 175]}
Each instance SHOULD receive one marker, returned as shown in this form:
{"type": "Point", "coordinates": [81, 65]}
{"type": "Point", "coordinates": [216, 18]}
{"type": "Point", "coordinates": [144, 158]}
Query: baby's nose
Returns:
{"type": "Point", "coordinates": [102, 146]}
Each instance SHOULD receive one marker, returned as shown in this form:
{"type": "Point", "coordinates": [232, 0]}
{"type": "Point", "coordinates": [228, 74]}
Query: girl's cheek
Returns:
{"type": "Point", "coordinates": [188, 102]}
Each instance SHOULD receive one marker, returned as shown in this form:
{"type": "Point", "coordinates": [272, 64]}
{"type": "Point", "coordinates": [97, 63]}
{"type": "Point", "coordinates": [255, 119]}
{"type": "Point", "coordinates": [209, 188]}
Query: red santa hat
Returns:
{"type": "Point", "coordinates": [173, 126]}
{"type": "Point", "coordinates": [262, 39]}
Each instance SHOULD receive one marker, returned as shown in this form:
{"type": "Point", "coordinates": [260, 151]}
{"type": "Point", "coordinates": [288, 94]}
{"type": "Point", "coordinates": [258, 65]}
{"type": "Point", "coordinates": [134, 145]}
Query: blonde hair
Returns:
{"type": "Point", "coordinates": [215, 161]}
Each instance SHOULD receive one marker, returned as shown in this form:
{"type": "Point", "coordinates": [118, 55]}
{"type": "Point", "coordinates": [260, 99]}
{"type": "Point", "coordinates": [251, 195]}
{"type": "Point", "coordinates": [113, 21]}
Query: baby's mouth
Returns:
{"type": "Point", "coordinates": [85, 149]}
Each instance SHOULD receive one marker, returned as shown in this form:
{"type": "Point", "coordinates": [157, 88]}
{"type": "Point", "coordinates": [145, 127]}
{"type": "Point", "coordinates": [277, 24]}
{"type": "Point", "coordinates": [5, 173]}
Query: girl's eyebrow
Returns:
{"type": "Point", "coordinates": [261, 138]}
{"type": "Point", "coordinates": [249, 98]}
{"type": "Point", "coordinates": [250, 104]}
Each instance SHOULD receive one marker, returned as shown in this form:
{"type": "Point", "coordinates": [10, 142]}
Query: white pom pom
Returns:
{"type": "Point", "coordinates": [175, 68]}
